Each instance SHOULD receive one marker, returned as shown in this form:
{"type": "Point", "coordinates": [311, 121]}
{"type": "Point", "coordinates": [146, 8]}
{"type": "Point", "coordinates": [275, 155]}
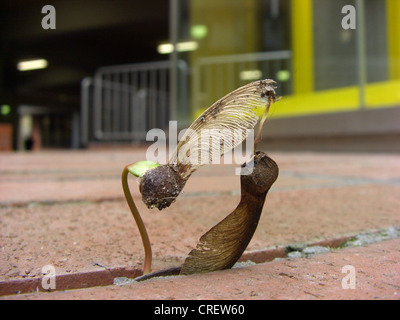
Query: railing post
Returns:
{"type": "Point", "coordinates": [86, 83]}
{"type": "Point", "coordinates": [173, 34]}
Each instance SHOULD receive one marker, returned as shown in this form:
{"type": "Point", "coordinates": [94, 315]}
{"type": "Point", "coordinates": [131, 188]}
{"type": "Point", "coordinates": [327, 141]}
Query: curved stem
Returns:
{"type": "Point", "coordinates": [139, 222]}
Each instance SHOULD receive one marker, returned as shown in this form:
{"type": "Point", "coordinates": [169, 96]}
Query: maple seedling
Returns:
{"type": "Point", "coordinates": [160, 185]}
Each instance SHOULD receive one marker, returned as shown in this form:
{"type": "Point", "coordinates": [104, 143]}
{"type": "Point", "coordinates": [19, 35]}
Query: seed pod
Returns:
{"type": "Point", "coordinates": [223, 244]}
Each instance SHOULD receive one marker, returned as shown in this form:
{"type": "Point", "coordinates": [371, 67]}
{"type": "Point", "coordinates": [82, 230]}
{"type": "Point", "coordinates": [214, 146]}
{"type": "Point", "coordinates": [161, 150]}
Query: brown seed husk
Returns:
{"type": "Point", "coordinates": [160, 186]}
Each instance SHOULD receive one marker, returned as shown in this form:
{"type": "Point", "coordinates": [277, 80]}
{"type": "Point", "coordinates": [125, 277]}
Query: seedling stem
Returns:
{"type": "Point", "coordinates": [139, 221]}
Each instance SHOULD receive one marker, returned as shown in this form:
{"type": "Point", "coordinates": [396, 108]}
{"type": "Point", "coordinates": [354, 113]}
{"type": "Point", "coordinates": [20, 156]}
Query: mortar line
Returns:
{"type": "Point", "coordinates": [30, 285]}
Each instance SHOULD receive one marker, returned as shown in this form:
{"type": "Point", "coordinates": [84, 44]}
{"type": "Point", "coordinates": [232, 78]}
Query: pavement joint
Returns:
{"type": "Point", "coordinates": [121, 276]}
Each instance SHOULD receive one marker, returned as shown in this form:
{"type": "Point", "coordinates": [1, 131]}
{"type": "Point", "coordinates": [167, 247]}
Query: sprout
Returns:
{"type": "Point", "coordinates": [160, 185]}
{"type": "Point", "coordinates": [139, 168]}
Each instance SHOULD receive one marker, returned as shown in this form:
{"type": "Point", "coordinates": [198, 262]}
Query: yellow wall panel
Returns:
{"type": "Point", "coordinates": [393, 30]}
{"type": "Point", "coordinates": [302, 45]}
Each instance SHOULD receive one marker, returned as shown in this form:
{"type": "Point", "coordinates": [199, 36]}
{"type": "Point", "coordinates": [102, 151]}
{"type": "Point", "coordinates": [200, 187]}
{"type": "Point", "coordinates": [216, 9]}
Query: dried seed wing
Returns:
{"type": "Point", "coordinates": [222, 126]}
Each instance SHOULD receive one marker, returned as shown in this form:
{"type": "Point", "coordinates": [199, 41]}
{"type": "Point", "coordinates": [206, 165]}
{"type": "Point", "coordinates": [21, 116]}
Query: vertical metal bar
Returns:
{"type": "Point", "coordinates": [267, 69]}
{"type": "Point", "coordinates": [231, 76]}
{"type": "Point", "coordinates": [173, 30]}
{"type": "Point", "coordinates": [85, 94]}
{"type": "Point", "coordinates": [290, 68]}
{"type": "Point", "coordinates": [361, 51]}
{"type": "Point", "coordinates": [116, 106]}
{"type": "Point", "coordinates": [107, 104]}
{"type": "Point", "coordinates": [162, 96]}
{"type": "Point", "coordinates": [153, 112]}
{"type": "Point", "coordinates": [183, 93]}
{"type": "Point", "coordinates": [196, 89]}
{"type": "Point", "coordinates": [134, 102]}
{"type": "Point", "coordinates": [98, 105]}
{"type": "Point", "coordinates": [74, 140]}
{"type": "Point", "coordinates": [220, 79]}
{"type": "Point", "coordinates": [241, 67]}
{"type": "Point", "coordinates": [125, 102]}
{"type": "Point", "coordinates": [143, 116]}
{"type": "Point", "coordinates": [208, 85]}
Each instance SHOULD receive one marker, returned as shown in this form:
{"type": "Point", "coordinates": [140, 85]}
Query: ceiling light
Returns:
{"type": "Point", "coordinates": [187, 46]}
{"type": "Point", "coordinates": [165, 48]}
{"type": "Point", "coordinates": [180, 47]}
{"type": "Point", "coordinates": [248, 75]}
{"type": "Point", "coordinates": [32, 64]}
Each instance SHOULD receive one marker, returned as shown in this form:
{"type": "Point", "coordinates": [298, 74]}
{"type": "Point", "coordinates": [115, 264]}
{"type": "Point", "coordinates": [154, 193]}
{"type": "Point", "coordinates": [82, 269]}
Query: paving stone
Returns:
{"type": "Point", "coordinates": [66, 209]}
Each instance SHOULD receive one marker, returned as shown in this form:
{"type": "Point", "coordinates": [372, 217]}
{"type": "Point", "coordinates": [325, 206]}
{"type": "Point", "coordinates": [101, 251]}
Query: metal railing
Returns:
{"type": "Point", "coordinates": [213, 77]}
{"type": "Point", "coordinates": [121, 103]}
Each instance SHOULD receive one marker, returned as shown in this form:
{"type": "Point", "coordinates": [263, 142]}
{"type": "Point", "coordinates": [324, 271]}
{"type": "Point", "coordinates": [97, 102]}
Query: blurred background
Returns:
{"type": "Point", "coordinates": [100, 73]}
